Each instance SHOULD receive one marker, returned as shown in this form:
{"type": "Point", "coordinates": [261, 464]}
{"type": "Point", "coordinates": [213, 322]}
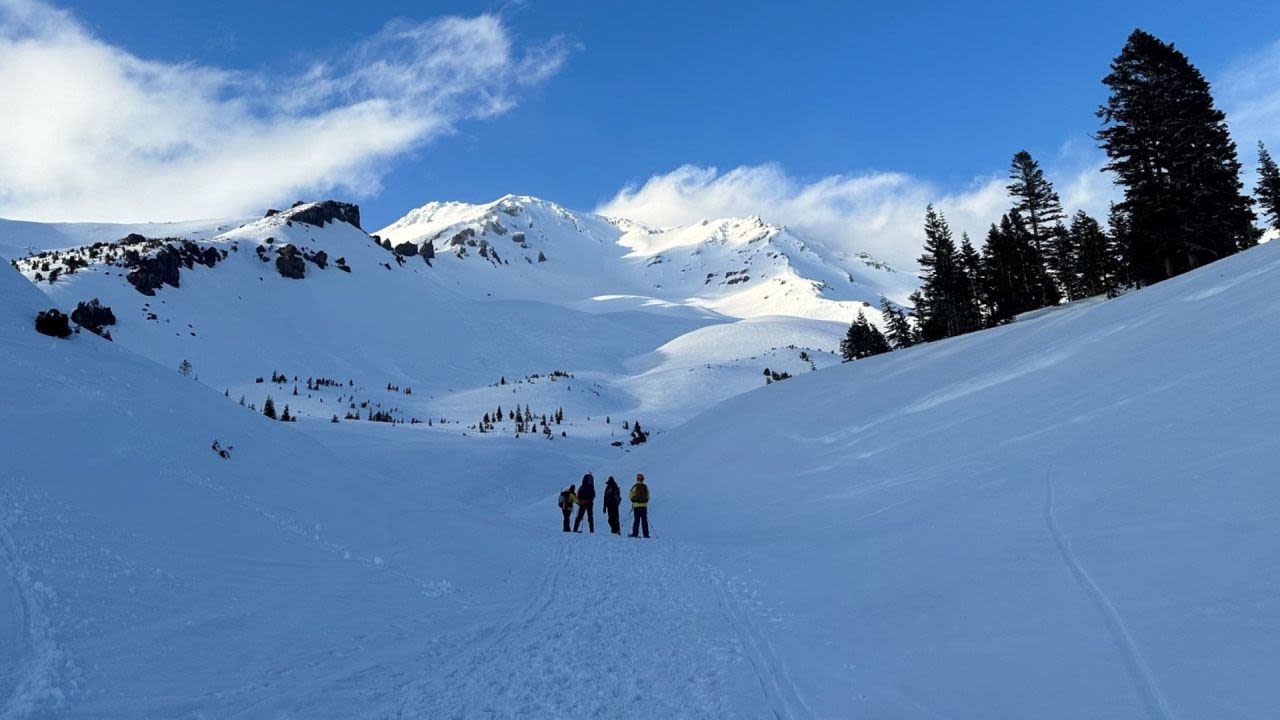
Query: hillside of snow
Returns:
{"type": "Point", "coordinates": [441, 341]}
{"type": "Point", "coordinates": [1072, 516]}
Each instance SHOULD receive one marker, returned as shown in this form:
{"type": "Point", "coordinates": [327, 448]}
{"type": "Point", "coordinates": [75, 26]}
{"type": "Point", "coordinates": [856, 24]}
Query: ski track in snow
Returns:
{"type": "Point", "coordinates": [35, 685]}
{"type": "Point", "coordinates": [783, 696]}
{"type": "Point", "coordinates": [1144, 680]}
{"type": "Point", "coordinates": [617, 629]}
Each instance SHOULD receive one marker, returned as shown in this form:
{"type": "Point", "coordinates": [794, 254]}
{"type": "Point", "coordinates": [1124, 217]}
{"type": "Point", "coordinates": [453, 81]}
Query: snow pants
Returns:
{"type": "Point", "coordinates": [615, 526]}
{"type": "Point", "coordinates": [567, 512]}
{"type": "Point", "coordinates": [588, 509]}
{"type": "Point", "coordinates": [639, 515]}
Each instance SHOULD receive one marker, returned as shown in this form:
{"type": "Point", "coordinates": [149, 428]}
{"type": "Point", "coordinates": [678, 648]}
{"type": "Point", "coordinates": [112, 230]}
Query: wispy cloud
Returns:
{"type": "Point", "coordinates": [92, 131]}
{"type": "Point", "coordinates": [880, 213]}
{"type": "Point", "coordinates": [1249, 92]}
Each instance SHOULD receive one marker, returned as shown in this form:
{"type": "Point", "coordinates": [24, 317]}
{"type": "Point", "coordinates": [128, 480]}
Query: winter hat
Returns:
{"type": "Point", "coordinates": [639, 477]}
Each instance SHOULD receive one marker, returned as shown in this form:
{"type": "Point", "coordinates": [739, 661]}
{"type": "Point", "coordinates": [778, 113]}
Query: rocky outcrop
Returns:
{"type": "Point", "coordinates": [428, 250]}
{"type": "Point", "coordinates": [148, 274]}
{"type": "Point", "coordinates": [407, 249]}
{"type": "Point", "coordinates": [53, 323]}
{"type": "Point", "coordinates": [321, 213]}
{"type": "Point", "coordinates": [289, 263]}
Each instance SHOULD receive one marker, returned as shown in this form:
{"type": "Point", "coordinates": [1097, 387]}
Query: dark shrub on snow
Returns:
{"type": "Point", "coordinates": [93, 316]}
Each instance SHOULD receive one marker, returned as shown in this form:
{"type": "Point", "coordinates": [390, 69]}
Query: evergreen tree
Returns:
{"type": "Point", "coordinates": [1173, 155]}
{"type": "Point", "coordinates": [1034, 199]}
{"type": "Point", "coordinates": [863, 340]}
{"type": "Point", "coordinates": [285, 416]}
{"type": "Point", "coordinates": [1062, 258]}
{"type": "Point", "coordinates": [184, 367]}
{"type": "Point", "coordinates": [1097, 267]}
{"type": "Point", "coordinates": [898, 330]}
{"type": "Point", "coordinates": [1013, 279]}
{"type": "Point", "coordinates": [269, 408]}
{"type": "Point", "coordinates": [970, 287]}
{"type": "Point", "coordinates": [1268, 189]}
{"type": "Point", "coordinates": [945, 307]}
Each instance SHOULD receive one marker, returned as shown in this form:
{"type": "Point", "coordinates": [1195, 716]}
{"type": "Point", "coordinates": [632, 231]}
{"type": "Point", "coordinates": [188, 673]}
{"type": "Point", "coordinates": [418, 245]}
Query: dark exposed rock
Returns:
{"type": "Point", "coordinates": [93, 316]}
{"type": "Point", "coordinates": [341, 264]}
{"type": "Point", "coordinates": [324, 212]}
{"type": "Point", "coordinates": [462, 237]}
{"type": "Point", "coordinates": [428, 250]}
{"type": "Point", "coordinates": [270, 212]}
{"type": "Point", "coordinates": [406, 249]}
{"type": "Point", "coordinates": [289, 263]}
{"type": "Point", "coordinates": [320, 258]}
{"type": "Point", "coordinates": [147, 274]}
{"type": "Point", "coordinates": [517, 237]}
{"type": "Point", "coordinates": [53, 323]}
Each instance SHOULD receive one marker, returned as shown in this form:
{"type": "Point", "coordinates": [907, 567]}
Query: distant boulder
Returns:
{"type": "Point", "coordinates": [289, 263]}
{"type": "Point", "coordinates": [428, 250]}
{"type": "Point", "coordinates": [406, 249]}
{"type": "Point", "coordinates": [53, 323]}
{"type": "Point", "coordinates": [270, 212]}
{"type": "Point", "coordinates": [320, 258]}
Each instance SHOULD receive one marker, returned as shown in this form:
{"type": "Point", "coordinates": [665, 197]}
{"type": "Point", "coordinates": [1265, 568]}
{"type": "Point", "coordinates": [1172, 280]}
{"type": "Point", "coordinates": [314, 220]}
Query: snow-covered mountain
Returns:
{"type": "Point", "coordinates": [521, 247]}
{"type": "Point", "coordinates": [305, 293]}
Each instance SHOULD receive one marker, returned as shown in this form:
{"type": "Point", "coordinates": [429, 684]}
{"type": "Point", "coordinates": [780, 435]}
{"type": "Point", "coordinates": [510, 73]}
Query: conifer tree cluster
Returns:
{"type": "Point", "coordinates": [1183, 207]}
{"type": "Point", "coordinates": [863, 340]}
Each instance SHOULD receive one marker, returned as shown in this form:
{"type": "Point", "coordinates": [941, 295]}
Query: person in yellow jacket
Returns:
{"type": "Point", "coordinates": [639, 506]}
{"type": "Point", "coordinates": [568, 498]}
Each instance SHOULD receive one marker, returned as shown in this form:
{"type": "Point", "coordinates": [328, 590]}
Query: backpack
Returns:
{"type": "Point", "coordinates": [612, 495]}
{"type": "Point", "coordinates": [641, 494]}
{"type": "Point", "coordinates": [564, 501]}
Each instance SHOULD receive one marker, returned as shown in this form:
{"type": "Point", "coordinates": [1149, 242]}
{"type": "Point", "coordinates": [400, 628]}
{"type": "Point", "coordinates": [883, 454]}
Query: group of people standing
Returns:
{"type": "Point", "coordinates": [584, 497]}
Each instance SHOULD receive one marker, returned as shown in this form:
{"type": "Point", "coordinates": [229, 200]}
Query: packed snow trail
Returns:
{"type": "Point", "coordinates": [617, 628]}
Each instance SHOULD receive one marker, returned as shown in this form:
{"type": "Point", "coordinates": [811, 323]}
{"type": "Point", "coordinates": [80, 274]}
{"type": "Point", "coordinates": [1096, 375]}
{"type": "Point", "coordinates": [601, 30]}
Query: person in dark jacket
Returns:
{"type": "Point", "coordinates": [639, 496]}
{"type": "Point", "coordinates": [612, 503]}
{"type": "Point", "coordinates": [586, 504]}
{"type": "Point", "coordinates": [567, 499]}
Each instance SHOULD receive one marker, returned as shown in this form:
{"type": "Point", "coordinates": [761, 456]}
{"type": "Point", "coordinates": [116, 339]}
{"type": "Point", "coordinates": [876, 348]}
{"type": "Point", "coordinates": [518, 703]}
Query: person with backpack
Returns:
{"type": "Point", "coordinates": [639, 507]}
{"type": "Point", "coordinates": [567, 499]}
{"type": "Point", "coordinates": [612, 503]}
{"type": "Point", "coordinates": [586, 504]}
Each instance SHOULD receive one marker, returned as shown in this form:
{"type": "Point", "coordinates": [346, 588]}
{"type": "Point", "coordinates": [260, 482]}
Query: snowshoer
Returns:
{"type": "Point", "coordinates": [612, 502]}
{"type": "Point", "coordinates": [567, 499]}
{"type": "Point", "coordinates": [586, 504]}
{"type": "Point", "coordinates": [639, 506]}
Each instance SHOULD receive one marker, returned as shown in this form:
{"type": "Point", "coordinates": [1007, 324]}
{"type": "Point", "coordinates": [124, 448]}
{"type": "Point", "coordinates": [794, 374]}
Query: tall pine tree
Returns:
{"type": "Point", "coordinates": [1095, 255]}
{"type": "Point", "coordinates": [1034, 199]}
{"type": "Point", "coordinates": [945, 306]}
{"type": "Point", "coordinates": [1171, 151]}
{"type": "Point", "coordinates": [898, 331]}
{"type": "Point", "coordinates": [1268, 189]}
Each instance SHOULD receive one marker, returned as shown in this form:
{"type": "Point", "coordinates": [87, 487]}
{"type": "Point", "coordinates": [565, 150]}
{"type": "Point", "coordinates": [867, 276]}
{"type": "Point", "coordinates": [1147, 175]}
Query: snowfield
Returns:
{"type": "Point", "coordinates": [1073, 516]}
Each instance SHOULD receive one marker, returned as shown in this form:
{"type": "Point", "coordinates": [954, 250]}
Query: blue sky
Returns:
{"type": "Point", "coordinates": [933, 98]}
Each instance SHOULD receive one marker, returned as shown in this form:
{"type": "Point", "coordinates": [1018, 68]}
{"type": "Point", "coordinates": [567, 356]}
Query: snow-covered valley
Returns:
{"type": "Point", "coordinates": [1070, 516]}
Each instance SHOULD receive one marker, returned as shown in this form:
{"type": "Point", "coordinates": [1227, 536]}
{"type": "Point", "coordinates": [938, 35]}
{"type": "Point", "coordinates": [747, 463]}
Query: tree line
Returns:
{"type": "Point", "coordinates": [1184, 206]}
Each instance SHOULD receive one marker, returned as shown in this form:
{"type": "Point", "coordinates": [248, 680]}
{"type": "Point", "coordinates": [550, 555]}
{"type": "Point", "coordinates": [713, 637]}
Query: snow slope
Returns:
{"type": "Point", "coordinates": [366, 577]}
{"type": "Point", "coordinates": [1074, 516]}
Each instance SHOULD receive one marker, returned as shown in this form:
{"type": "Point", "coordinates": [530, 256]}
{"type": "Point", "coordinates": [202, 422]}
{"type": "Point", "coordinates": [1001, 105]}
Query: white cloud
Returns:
{"type": "Point", "coordinates": [880, 213]}
{"type": "Point", "coordinates": [1249, 92]}
{"type": "Point", "coordinates": [94, 132]}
